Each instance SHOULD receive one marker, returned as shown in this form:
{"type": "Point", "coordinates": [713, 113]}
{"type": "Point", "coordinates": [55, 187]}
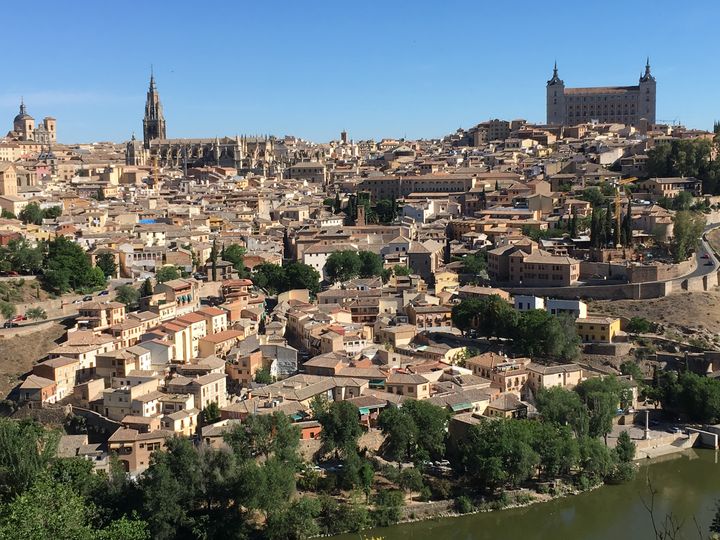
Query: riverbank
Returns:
{"type": "Point", "coordinates": [685, 483]}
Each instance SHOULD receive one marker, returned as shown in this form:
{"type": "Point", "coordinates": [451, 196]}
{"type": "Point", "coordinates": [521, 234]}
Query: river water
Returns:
{"type": "Point", "coordinates": [688, 485]}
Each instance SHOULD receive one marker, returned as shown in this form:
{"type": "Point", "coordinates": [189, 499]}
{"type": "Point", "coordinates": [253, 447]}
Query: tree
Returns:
{"type": "Point", "coordinates": [563, 407]}
{"type": "Point", "coordinates": [539, 333]}
{"type": "Point", "coordinates": [263, 376]}
{"type": "Point", "coordinates": [400, 434]}
{"type": "Point", "coordinates": [213, 259]}
{"type": "Point", "coordinates": [401, 270]}
{"type": "Point", "coordinates": [625, 448]}
{"type": "Point", "coordinates": [24, 258]}
{"type": "Point", "coordinates": [124, 529]}
{"type": "Point", "coordinates": [106, 263]}
{"type": "Point", "coordinates": [68, 267]}
{"type": "Point", "coordinates": [53, 212]}
{"type": "Point", "coordinates": [128, 295]}
{"type": "Point", "coordinates": [270, 277]}
{"type": "Point", "coordinates": [167, 273]}
{"type": "Point", "coordinates": [596, 460]}
{"type": "Point", "coordinates": [298, 275]}
{"type": "Point", "coordinates": [340, 427]}
{"type": "Point", "coordinates": [26, 451]}
{"type": "Point", "coordinates": [7, 310]}
{"type": "Point", "coordinates": [36, 314]}
{"type": "Point", "coordinates": [32, 213]}
{"type": "Point", "coordinates": [639, 325]}
{"type": "Point", "coordinates": [297, 521]}
{"type": "Point", "coordinates": [7, 214]}
{"type": "Point", "coordinates": [631, 368]}
{"type": "Point", "coordinates": [371, 264]}
{"type": "Point", "coordinates": [572, 229]}
{"type": "Point", "coordinates": [593, 195]}
{"type": "Point", "coordinates": [415, 432]}
{"type": "Point", "coordinates": [388, 505]}
{"type": "Point", "coordinates": [343, 266]}
{"type": "Point", "coordinates": [147, 288]}
{"type": "Point", "coordinates": [499, 453]}
{"type": "Point", "coordinates": [47, 510]}
{"type": "Point", "coordinates": [386, 210]}
{"type": "Point", "coordinates": [210, 414]}
{"type": "Point", "coordinates": [491, 316]}
{"type": "Point", "coordinates": [687, 229]}
{"type": "Point", "coordinates": [235, 254]}
{"type": "Point", "coordinates": [557, 448]}
{"type": "Point", "coordinates": [475, 264]}
{"type": "Point", "coordinates": [602, 397]}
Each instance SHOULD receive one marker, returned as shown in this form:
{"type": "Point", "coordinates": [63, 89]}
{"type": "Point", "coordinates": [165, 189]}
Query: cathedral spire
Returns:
{"type": "Point", "coordinates": [154, 121]}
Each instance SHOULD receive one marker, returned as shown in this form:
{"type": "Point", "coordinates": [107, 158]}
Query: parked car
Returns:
{"type": "Point", "coordinates": [18, 318]}
{"type": "Point", "coordinates": [87, 298]}
{"type": "Point", "coordinates": [103, 293]}
{"type": "Point", "coordinates": [10, 324]}
{"type": "Point", "coordinates": [675, 430]}
{"type": "Point", "coordinates": [704, 256]}
{"type": "Point", "coordinates": [78, 301]}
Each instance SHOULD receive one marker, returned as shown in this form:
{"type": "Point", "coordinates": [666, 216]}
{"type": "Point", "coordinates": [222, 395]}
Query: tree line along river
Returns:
{"type": "Point", "coordinates": [688, 485]}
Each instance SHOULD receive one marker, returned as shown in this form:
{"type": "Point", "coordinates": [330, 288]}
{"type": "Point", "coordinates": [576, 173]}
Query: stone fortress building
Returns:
{"type": "Point", "coordinates": [605, 104]}
{"type": "Point", "coordinates": [239, 152]}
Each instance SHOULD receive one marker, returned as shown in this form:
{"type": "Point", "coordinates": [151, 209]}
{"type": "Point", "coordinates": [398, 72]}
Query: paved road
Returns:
{"type": "Point", "coordinates": [704, 254]}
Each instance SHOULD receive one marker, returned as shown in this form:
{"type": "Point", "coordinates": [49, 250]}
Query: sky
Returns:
{"type": "Point", "coordinates": [312, 68]}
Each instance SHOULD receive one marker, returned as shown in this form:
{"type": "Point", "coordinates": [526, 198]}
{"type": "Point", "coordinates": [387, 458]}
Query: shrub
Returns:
{"type": "Point", "coordinates": [463, 505]}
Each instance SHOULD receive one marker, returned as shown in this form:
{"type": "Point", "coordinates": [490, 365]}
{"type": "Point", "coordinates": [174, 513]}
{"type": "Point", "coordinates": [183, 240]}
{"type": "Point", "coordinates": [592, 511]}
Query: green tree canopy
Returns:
{"type": "Point", "coordinates": [687, 229]}
{"type": "Point", "coordinates": [167, 273]}
{"type": "Point", "coordinates": [128, 295]}
{"type": "Point", "coordinates": [343, 266]}
{"type": "Point", "coordinates": [67, 267]}
{"type": "Point", "coordinates": [106, 263]}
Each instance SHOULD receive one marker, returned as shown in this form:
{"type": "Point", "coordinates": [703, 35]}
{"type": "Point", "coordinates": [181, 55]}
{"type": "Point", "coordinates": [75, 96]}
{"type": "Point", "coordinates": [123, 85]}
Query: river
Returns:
{"type": "Point", "coordinates": [688, 485]}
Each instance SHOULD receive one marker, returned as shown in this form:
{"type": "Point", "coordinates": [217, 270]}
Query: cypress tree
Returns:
{"type": "Point", "coordinates": [607, 226]}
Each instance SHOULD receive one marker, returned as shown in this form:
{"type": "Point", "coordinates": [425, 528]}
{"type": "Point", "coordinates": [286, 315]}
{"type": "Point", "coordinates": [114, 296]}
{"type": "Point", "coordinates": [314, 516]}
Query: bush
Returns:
{"type": "Point", "coordinates": [387, 507]}
{"type": "Point", "coordinates": [411, 480]}
{"type": "Point", "coordinates": [441, 488]}
{"type": "Point", "coordinates": [639, 325]}
{"type": "Point", "coordinates": [425, 494]}
{"type": "Point", "coordinates": [624, 472]}
{"type": "Point", "coordinates": [463, 505]}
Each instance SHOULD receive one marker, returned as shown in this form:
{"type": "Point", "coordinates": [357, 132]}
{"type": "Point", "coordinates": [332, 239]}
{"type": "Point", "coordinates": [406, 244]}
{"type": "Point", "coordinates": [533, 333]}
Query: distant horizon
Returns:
{"type": "Point", "coordinates": [312, 71]}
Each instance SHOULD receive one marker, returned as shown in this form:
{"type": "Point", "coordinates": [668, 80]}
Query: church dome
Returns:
{"type": "Point", "coordinates": [22, 115]}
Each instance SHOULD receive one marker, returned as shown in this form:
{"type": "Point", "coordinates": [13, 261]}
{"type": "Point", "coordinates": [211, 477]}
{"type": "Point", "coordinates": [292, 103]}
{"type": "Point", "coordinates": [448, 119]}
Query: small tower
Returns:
{"type": "Point", "coordinates": [555, 99]}
{"type": "Point", "coordinates": [154, 121]}
{"type": "Point", "coordinates": [647, 95]}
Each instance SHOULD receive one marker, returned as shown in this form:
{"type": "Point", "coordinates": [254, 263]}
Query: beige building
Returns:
{"type": "Point", "coordinates": [134, 449]}
{"type": "Point", "coordinates": [408, 384]}
{"type": "Point", "coordinates": [562, 375]}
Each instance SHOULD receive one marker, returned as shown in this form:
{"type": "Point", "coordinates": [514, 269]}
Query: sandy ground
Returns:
{"type": "Point", "coordinates": [18, 354]}
{"type": "Point", "coordinates": [692, 310]}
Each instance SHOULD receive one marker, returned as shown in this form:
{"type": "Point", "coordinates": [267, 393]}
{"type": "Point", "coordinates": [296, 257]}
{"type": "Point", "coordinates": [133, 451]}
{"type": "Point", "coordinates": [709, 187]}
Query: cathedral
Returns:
{"type": "Point", "coordinates": [239, 152]}
{"type": "Point", "coordinates": [627, 105]}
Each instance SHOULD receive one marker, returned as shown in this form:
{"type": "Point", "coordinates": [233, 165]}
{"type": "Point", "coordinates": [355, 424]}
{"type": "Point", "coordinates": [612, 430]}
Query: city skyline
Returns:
{"type": "Point", "coordinates": [375, 73]}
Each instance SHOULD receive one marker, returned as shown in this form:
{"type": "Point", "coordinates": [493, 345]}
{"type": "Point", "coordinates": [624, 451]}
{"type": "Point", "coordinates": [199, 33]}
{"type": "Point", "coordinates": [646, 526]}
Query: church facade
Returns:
{"type": "Point", "coordinates": [25, 129]}
{"type": "Point", "coordinates": [240, 152]}
{"type": "Point", "coordinates": [606, 104]}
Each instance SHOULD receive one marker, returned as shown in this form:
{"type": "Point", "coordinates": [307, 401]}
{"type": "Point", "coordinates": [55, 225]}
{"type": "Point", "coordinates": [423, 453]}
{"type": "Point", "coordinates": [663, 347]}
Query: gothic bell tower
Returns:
{"type": "Point", "coordinates": [154, 121]}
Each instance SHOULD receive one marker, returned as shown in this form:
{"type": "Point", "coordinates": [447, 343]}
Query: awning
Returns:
{"type": "Point", "coordinates": [461, 407]}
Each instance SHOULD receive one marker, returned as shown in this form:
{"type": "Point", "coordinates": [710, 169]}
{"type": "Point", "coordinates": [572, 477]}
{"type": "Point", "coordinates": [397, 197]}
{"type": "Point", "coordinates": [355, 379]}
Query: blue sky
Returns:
{"type": "Point", "coordinates": [375, 68]}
